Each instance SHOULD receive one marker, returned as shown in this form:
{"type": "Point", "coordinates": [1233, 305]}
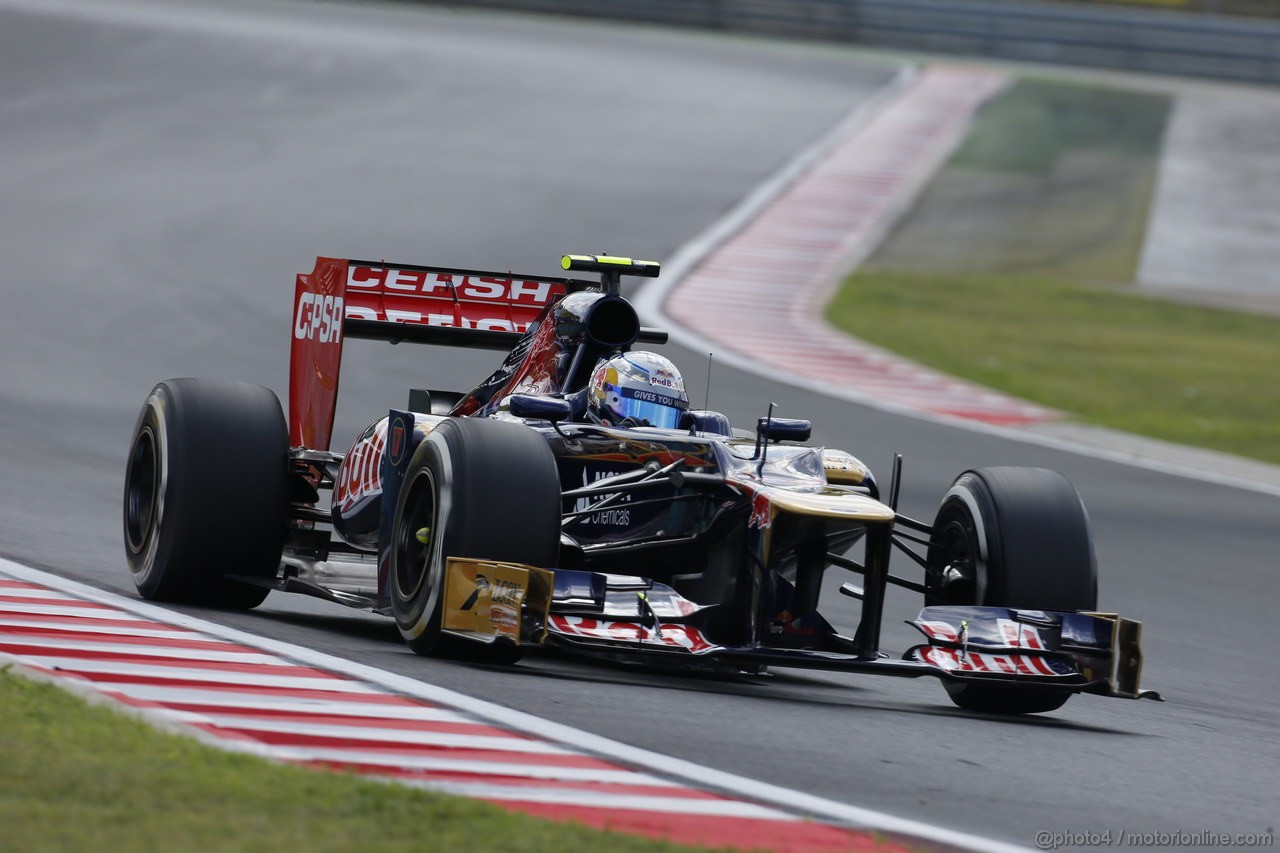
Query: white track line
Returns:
{"type": "Point", "coordinates": [694, 774]}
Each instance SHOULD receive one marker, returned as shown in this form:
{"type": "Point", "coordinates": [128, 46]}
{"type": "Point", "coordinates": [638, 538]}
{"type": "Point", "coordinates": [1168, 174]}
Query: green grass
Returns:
{"type": "Point", "coordinates": [78, 777]}
{"type": "Point", "coordinates": [1015, 268]}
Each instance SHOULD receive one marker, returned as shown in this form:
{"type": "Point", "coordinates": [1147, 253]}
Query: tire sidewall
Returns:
{"type": "Point", "coordinates": [417, 611]}
{"type": "Point", "coordinates": [221, 503]}
{"type": "Point", "coordinates": [969, 503]}
{"type": "Point", "coordinates": [994, 517]}
{"type": "Point", "coordinates": [143, 561]}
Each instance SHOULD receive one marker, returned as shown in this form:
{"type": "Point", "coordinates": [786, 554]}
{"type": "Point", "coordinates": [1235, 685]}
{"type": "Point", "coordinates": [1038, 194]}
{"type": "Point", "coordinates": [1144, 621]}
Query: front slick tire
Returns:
{"type": "Point", "coordinates": [475, 488]}
{"type": "Point", "coordinates": [206, 492]}
{"type": "Point", "coordinates": [1018, 538]}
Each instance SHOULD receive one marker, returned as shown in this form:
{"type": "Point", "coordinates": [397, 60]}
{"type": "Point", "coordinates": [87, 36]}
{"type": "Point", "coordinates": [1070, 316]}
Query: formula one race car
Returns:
{"type": "Point", "coordinates": [573, 500]}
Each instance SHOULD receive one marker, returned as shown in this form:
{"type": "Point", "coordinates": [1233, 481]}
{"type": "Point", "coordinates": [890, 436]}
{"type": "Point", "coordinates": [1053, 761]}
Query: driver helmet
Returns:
{"type": "Point", "coordinates": [637, 389]}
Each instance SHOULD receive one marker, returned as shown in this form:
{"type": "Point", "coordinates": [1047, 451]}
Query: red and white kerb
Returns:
{"type": "Point", "coordinates": [250, 699]}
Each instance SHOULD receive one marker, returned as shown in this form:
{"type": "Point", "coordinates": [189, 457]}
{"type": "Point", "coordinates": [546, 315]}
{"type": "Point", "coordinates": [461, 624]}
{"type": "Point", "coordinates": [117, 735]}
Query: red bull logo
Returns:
{"type": "Point", "coordinates": [666, 379]}
{"type": "Point", "coordinates": [361, 473]}
{"type": "Point", "coordinates": [761, 511]}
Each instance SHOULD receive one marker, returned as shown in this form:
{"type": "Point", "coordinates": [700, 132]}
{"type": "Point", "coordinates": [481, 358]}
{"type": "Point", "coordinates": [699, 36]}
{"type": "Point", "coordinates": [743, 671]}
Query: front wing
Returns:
{"type": "Point", "coordinates": [627, 618]}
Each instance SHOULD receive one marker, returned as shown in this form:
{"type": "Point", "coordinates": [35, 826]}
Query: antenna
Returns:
{"type": "Point", "coordinates": [706, 406]}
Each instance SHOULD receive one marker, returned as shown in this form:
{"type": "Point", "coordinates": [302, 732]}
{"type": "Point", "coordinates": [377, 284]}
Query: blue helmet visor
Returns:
{"type": "Point", "coordinates": [646, 407]}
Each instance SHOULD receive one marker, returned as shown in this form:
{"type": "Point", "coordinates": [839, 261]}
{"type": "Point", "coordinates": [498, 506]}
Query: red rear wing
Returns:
{"type": "Point", "coordinates": [394, 302]}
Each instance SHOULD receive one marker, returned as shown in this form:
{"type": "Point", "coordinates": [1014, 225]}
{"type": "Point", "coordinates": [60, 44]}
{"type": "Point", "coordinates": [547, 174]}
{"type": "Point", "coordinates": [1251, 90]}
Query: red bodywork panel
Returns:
{"type": "Point", "coordinates": [339, 290]}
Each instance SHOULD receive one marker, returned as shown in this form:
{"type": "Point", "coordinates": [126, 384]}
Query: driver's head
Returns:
{"type": "Point", "coordinates": [636, 389]}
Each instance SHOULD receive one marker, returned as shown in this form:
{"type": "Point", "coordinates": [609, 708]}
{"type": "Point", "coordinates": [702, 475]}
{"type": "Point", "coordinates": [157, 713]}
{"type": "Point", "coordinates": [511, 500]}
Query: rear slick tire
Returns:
{"type": "Point", "coordinates": [1018, 538]}
{"type": "Point", "coordinates": [479, 488]}
{"type": "Point", "coordinates": [206, 492]}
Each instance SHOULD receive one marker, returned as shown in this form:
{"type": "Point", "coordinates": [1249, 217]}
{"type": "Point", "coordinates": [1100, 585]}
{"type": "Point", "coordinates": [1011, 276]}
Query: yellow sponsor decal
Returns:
{"type": "Point", "coordinates": [489, 598]}
{"type": "Point", "coordinates": [843, 468]}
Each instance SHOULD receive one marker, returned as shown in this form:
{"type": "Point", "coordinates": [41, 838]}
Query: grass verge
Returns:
{"type": "Point", "coordinates": [1190, 375]}
{"type": "Point", "coordinates": [79, 777]}
{"type": "Point", "coordinates": [1014, 271]}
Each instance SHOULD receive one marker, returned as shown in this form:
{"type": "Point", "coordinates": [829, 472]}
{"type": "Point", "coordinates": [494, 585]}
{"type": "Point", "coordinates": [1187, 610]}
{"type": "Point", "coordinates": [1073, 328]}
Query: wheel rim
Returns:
{"type": "Point", "coordinates": [954, 579]}
{"type": "Point", "coordinates": [142, 486]}
{"type": "Point", "coordinates": [413, 558]}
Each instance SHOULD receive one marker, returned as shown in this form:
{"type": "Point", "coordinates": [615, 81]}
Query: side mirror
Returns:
{"type": "Point", "coordinates": [784, 429]}
{"type": "Point", "coordinates": [551, 409]}
{"type": "Point", "coordinates": [436, 402]}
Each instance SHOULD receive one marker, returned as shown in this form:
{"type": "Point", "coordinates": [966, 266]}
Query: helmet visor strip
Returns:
{"type": "Point", "coordinates": [648, 407]}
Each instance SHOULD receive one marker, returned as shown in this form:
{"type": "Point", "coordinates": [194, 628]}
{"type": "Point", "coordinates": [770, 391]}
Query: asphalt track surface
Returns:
{"type": "Point", "coordinates": [166, 169]}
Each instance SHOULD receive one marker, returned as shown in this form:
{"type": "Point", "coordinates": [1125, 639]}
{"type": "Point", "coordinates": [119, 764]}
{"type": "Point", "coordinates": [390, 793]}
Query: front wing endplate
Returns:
{"type": "Point", "coordinates": [487, 600]}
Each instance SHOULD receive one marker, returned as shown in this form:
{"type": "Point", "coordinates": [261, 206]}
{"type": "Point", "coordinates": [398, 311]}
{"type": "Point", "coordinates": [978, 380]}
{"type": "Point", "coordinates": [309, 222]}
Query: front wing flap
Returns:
{"type": "Point", "coordinates": [642, 635]}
